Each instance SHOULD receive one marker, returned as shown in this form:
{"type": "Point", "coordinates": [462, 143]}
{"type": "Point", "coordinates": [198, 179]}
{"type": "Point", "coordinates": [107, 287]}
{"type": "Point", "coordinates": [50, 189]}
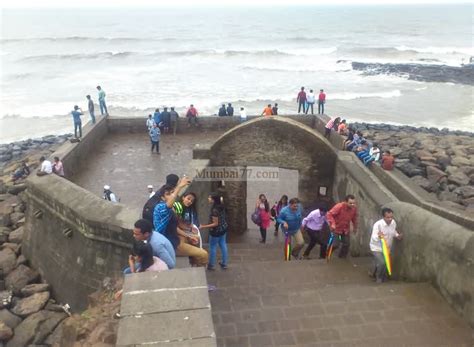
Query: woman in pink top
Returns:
{"type": "Point", "coordinates": [142, 259]}
{"type": "Point", "coordinates": [58, 167]}
{"type": "Point", "coordinates": [264, 209]}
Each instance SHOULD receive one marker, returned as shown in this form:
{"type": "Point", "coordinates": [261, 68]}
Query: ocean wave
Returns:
{"type": "Point", "coordinates": [92, 39]}
{"type": "Point", "coordinates": [353, 96]}
{"type": "Point", "coordinates": [438, 50]}
{"type": "Point", "coordinates": [304, 39]}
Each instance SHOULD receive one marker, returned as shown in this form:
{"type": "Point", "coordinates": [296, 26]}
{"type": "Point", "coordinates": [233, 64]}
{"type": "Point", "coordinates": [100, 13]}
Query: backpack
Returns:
{"type": "Point", "coordinates": [256, 217]}
{"type": "Point", "coordinates": [221, 228]}
{"type": "Point", "coordinates": [149, 208]}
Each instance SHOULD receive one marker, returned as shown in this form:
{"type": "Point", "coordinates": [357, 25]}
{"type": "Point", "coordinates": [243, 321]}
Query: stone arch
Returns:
{"type": "Point", "coordinates": [274, 142]}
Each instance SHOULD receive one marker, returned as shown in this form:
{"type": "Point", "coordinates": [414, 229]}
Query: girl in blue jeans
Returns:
{"type": "Point", "coordinates": [217, 231]}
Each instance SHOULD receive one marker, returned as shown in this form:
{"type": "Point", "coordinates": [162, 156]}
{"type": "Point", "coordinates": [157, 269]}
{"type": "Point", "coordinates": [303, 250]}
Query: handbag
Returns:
{"type": "Point", "coordinates": [256, 217]}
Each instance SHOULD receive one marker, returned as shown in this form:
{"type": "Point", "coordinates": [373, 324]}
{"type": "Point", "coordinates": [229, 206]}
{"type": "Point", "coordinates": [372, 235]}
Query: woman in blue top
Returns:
{"type": "Point", "coordinates": [290, 219]}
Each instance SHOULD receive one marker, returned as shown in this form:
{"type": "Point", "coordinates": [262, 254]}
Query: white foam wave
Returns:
{"type": "Point", "coordinates": [438, 50]}
{"type": "Point", "coordinates": [353, 96]}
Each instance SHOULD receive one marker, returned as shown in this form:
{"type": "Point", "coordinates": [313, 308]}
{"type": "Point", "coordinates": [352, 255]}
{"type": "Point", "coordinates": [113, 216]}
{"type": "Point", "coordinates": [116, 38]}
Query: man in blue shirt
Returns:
{"type": "Point", "coordinates": [290, 219]}
{"type": "Point", "coordinates": [157, 117]}
{"type": "Point", "coordinates": [162, 247]}
{"type": "Point", "coordinates": [76, 115]}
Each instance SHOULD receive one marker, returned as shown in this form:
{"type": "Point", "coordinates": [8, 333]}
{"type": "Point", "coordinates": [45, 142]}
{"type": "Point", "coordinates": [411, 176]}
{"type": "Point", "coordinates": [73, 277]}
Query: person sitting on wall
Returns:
{"type": "Point", "coordinates": [46, 167]}
{"type": "Point", "coordinates": [387, 161]}
{"type": "Point", "coordinates": [373, 156]}
{"type": "Point", "coordinates": [21, 172]}
{"type": "Point", "coordinates": [357, 141]}
{"type": "Point", "coordinates": [58, 167]}
{"type": "Point", "coordinates": [109, 195]}
{"type": "Point", "coordinates": [342, 127]}
{"type": "Point", "coordinates": [349, 139]}
{"type": "Point", "coordinates": [189, 238]}
{"type": "Point", "coordinates": [161, 246]}
{"type": "Point", "coordinates": [165, 220]}
{"type": "Point", "coordinates": [222, 111]}
{"type": "Point", "coordinates": [142, 259]}
{"type": "Point", "coordinates": [192, 115]}
{"type": "Point", "coordinates": [153, 200]}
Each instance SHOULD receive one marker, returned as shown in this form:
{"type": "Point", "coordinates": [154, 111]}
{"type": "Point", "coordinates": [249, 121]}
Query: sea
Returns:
{"type": "Point", "coordinates": [146, 58]}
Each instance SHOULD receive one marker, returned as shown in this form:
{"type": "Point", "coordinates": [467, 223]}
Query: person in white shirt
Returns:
{"type": "Point", "coordinates": [150, 191]}
{"type": "Point", "coordinates": [384, 228]}
{"type": "Point", "coordinates": [149, 122]}
{"type": "Point", "coordinates": [109, 195]}
{"type": "Point", "coordinates": [310, 99]}
{"type": "Point", "coordinates": [46, 167]}
{"type": "Point", "coordinates": [243, 115]}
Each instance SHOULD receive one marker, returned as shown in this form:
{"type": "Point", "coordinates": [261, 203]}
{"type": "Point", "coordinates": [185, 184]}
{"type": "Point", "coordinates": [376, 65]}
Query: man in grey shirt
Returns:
{"type": "Point", "coordinates": [174, 120]}
{"type": "Point", "coordinates": [91, 108]}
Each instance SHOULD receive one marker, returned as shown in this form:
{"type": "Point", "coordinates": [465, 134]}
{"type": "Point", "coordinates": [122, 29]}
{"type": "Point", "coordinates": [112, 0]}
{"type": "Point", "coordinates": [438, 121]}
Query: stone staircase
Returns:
{"type": "Point", "coordinates": [262, 300]}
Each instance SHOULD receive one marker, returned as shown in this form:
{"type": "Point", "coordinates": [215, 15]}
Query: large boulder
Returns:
{"type": "Point", "coordinates": [409, 169]}
{"type": "Point", "coordinates": [31, 304]}
{"type": "Point", "coordinates": [459, 178]}
{"type": "Point", "coordinates": [36, 328]}
{"type": "Point", "coordinates": [465, 192]}
{"type": "Point", "coordinates": [460, 161]}
{"type": "Point", "coordinates": [9, 318]}
{"type": "Point", "coordinates": [16, 216]}
{"type": "Point", "coordinates": [423, 183]}
{"type": "Point", "coordinates": [19, 278]}
{"type": "Point", "coordinates": [17, 188]}
{"type": "Point", "coordinates": [434, 174]}
{"type": "Point", "coordinates": [5, 332]}
{"type": "Point", "coordinates": [7, 260]}
{"type": "Point", "coordinates": [34, 288]}
{"type": "Point", "coordinates": [16, 236]}
{"type": "Point", "coordinates": [449, 196]}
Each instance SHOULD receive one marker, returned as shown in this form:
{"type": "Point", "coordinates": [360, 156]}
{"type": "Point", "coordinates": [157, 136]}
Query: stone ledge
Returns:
{"type": "Point", "coordinates": [169, 308]}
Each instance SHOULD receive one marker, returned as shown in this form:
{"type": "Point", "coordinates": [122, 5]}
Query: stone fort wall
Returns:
{"type": "Point", "coordinates": [76, 239]}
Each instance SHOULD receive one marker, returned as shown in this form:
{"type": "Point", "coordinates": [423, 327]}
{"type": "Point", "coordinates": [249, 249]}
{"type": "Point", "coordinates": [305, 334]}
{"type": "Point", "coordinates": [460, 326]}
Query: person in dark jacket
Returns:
{"type": "Point", "coordinates": [222, 111]}
{"type": "Point", "coordinates": [230, 110]}
{"type": "Point", "coordinates": [275, 110]}
{"type": "Point", "coordinates": [166, 119]}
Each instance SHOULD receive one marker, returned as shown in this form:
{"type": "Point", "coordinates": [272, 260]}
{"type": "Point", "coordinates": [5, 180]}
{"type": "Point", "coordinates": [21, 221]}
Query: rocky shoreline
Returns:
{"type": "Point", "coordinates": [28, 313]}
{"type": "Point", "coordinates": [420, 72]}
{"type": "Point", "coordinates": [439, 161]}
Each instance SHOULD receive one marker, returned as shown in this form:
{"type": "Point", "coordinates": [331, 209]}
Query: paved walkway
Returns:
{"type": "Point", "coordinates": [124, 162]}
{"type": "Point", "coordinates": [263, 301]}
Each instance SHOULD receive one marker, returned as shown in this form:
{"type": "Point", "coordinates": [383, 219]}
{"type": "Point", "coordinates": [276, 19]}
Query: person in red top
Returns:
{"type": "Point", "coordinates": [264, 210]}
{"type": "Point", "coordinates": [192, 114]}
{"type": "Point", "coordinates": [387, 161]}
{"type": "Point", "coordinates": [321, 101]}
{"type": "Point", "coordinates": [339, 219]}
{"type": "Point", "coordinates": [301, 100]}
{"type": "Point", "coordinates": [267, 111]}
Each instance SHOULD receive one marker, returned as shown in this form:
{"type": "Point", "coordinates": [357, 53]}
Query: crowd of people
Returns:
{"type": "Point", "coordinates": [328, 228]}
{"type": "Point", "coordinates": [368, 152]}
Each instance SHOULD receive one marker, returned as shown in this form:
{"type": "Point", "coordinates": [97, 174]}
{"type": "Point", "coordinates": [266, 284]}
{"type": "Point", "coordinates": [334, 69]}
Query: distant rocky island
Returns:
{"type": "Point", "coordinates": [420, 72]}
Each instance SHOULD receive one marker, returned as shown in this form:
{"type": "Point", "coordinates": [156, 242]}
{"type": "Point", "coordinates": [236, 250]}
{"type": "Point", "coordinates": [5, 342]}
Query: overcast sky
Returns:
{"type": "Point", "coordinates": [194, 3]}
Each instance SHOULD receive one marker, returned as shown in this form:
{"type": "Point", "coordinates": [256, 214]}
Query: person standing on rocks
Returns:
{"type": "Point", "coordinates": [310, 98]}
{"type": "Point", "coordinates": [313, 224]}
{"type": "Point", "coordinates": [321, 101]}
{"type": "Point", "coordinates": [46, 167]}
{"type": "Point", "coordinates": [102, 105]}
{"type": "Point", "coordinates": [384, 228]}
{"type": "Point", "coordinates": [290, 218]}
{"type": "Point", "coordinates": [90, 106]}
{"type": "Point", "coordinates": [230, 110]}
{"type": "Point", "coordinates": [174, 120]}
{"type": "Point", "coordinates": [339, 219]}
{"type": "Point", "coordinates": [58, 167]}
{"type": "Point", "coordinates": [76, 116]}
{"type": "Point", "coordinates": [155, 138]}
{"type": "Point", "coordinates": [109, 195]}
{"type": "Point", "coordinates": [301, 100]}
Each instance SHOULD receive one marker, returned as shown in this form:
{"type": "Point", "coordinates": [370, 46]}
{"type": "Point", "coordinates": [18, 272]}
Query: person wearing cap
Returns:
{"type": "Point", "coordinates": [109, 195]}
{"type": "Point", "coordinates": [150, 191]}
{"type": "Point", "coordinates": [76, 116]}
